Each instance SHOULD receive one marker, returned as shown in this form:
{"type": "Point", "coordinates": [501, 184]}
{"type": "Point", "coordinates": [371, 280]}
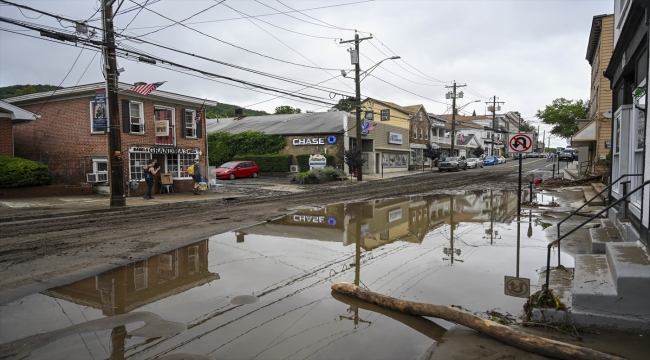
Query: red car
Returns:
{"type": "Point", "coordinates": [236, 169]}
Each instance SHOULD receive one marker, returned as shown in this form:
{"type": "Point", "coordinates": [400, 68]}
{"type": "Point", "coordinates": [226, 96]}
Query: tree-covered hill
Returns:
{"type": "Point", "coordinates": [15, 90]}
{"type": "Point", "coordinates": [224, 110]}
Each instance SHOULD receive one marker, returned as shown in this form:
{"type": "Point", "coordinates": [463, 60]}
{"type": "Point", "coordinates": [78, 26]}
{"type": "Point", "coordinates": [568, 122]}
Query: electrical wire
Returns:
{"type": "Point", "coordinates": [309, 22]}
{"type": "Point", "coordinates": [65, 77]}
{"type": "Point", "coordinates": [136, 15]}
{"type": "Point", "coordinates": [399, 76]}
{"type": "Point", "coordinates": [187, 18]}
{"type": "Point", "coordinates": [389, 49]}
{"type": "Point", "coordinates": [412, 93]}
{"type": "Point", "coordinates": [233, 45]}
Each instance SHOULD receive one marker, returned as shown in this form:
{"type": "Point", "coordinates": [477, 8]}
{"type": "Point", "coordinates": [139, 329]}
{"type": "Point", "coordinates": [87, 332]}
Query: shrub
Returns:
{"type": "Point", "coordinates": [222, 147]}
{"type": "Point", "coordinates": [269, 162]}
{"type": "Point", "coordinates": [19, 172]}
{"type": "Point", "coordinates": [316, 175]}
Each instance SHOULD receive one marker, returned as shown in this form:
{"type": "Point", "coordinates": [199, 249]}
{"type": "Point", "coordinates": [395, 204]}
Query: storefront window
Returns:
{"type": "Point", "coordinates": [394, 160]}
{"type": "Point", "coordinates": [177, 164]}
{"type": "Point", "coordinates": [137, 162]}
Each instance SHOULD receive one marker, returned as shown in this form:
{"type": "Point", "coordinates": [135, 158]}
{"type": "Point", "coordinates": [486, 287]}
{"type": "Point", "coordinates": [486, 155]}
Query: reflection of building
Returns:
{"type": "Point", "coordinates": [129, 287]}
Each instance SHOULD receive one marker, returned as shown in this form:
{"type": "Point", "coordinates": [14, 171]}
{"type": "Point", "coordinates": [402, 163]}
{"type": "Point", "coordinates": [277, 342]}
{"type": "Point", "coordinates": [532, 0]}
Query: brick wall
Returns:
{"type": "Point", "coordinates": [6, 137]}
{"type": "Point", "coordinates": [420, 125]}
{"type": "Point", "coordinates": [62, 139]}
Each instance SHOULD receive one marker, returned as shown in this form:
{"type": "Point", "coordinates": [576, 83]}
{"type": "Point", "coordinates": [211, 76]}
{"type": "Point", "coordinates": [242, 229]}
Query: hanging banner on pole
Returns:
{"type": "Point", "coordinates": [521, 143]}
{"type": "Point", "coordinates": [100, 115]}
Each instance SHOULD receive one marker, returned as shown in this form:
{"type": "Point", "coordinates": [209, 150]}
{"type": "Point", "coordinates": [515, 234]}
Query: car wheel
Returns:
{"type": "Point", "coordinates": [254, 174]}
{"type": "Point", "coordinates": [231, 177]}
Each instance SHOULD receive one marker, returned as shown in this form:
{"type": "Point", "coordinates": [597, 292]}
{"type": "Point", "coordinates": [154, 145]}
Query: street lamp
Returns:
{"type": "Point", "coordinates": [357, 80]}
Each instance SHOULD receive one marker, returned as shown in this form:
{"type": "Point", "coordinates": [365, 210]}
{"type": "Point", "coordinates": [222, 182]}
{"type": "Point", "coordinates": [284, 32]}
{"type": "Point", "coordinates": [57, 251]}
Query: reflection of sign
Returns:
{"type": "Point", "coordinates": [366, 127]}
{"type": "Point", "coordinates": [394, 215]}
{"type": "Point", "coordinates": [517, 287]}
{"type": "Point", "coordinates": [317, 161]}
{"type": "Point", "coordinates": [394, 138]}
{"type": "Point", "coordinates": [100, 117]}
{"type": "Point", "coordinates": [311, 219]}
{"type": "Point", "coordinates": [521, 143]}
{"type": "Point", "coordinates": [312, 141]}
{"type": "Point", "coordinates": [385, 115]}
{"type": "Point", "coordinates": [162, 128]}
{"type": "Point", "coordinates": [165, 150]}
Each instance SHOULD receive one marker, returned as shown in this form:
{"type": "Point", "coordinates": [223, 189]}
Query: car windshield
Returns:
{"type": "Point", "coordinates": [229, 165]}
{"type": "Point", "coordinates": [451, 159]}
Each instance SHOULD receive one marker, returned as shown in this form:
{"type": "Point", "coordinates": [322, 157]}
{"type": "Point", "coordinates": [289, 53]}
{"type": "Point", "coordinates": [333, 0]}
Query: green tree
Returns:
{"type": "Point", "coordinates": [353, 158]}
{"type": "Point", "coordinates": [478, 151]}
{"type": "Point", "coordinates": [26, 90]}
{"type": "Point", "coordinates": [525, 126]}
{"type": "Point", "coordinates": [344, 105]}
{"type": "Point", "coordinates": [286, 109]}
{"type": "Point", "coordinates": [431, 153]}
{"type": "Point", "coordinates": [562, 114]}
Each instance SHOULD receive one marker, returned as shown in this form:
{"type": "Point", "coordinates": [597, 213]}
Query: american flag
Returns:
{"type": "Point", "coordinates": [146, 89]}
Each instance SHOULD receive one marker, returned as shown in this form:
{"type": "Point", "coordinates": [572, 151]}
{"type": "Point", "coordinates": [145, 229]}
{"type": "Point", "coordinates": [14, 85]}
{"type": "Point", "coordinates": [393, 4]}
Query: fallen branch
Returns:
{"type": "Point", "coordinates": [532, 343]}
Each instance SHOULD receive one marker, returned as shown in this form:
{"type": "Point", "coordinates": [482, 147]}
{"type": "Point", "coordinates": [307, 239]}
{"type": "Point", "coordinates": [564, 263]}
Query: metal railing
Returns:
{"type": "Point", "coordinates": [622, 198]}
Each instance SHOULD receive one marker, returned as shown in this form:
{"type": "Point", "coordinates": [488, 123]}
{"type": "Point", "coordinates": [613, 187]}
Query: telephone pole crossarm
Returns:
{"type": "Point", "coordinates": [453, 114]}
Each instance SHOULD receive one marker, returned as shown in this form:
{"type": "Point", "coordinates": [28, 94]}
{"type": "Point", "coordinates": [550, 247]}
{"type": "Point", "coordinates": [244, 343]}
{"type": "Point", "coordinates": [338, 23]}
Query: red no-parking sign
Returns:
{"type": "Point", "coordinates": [521, 143]}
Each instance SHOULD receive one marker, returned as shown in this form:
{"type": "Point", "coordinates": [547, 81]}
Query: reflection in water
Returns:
{"type": "Point", "coordinates": [442, 249]}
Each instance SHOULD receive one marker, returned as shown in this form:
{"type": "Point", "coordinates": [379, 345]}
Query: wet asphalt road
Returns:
{"type": "Point", "coordinates": [35, 251]}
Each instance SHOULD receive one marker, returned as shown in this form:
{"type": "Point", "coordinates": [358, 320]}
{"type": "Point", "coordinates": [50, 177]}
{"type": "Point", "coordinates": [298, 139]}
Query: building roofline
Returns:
{"type": "Point", "coordinates": [594, 36]}
{"type": "Point", "coordinates": [123, 88]}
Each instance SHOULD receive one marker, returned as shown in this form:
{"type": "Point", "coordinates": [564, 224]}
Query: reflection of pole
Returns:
{"type": "Point", "coordinates": [357, 254]}
{"type": "Point", "coordinates": [491, 217]}
{"type": "Point", "coordinates": [451, 239]}
{"type": "Point", "coordinates": [118, 338]}
{"type": "Point", "coordinates": [518, 241]}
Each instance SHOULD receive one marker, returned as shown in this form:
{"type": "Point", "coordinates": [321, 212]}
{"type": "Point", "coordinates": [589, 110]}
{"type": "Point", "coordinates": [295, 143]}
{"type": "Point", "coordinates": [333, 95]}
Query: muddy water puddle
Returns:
{"type": "Point", "coordinates": [264, 292]}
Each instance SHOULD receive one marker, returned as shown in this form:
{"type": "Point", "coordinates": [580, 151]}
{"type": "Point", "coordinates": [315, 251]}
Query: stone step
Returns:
{"type": "Point", "coordinates": [607, 223]}
{"type": "Point", "coordinates": [630, 265]}
{"type": "Point", "coordinates": [598, 187]}
{"type": "Point", "coordinates": [598, 237]}
{"type": "Point", "coordinates": [589, 193]}
{"type": "Point", "coordinates": [593, 286]}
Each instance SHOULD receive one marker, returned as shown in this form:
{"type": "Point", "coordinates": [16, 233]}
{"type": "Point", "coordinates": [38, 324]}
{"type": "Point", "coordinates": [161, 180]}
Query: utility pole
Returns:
{"type": "Point", "coordinates": [452, 94]}
{"type": "Point", "coordinates": [354, 55]}
{"type": "Point", "coordinates": [494, 119]}
{"type": "Point", "coordinates": [115, 161]}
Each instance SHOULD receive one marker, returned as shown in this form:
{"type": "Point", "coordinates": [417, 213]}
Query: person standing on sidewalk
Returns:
{"type": "Point", "coordinates": [149, 173]}
{"type": "Point", "coordinates": [197, 175]}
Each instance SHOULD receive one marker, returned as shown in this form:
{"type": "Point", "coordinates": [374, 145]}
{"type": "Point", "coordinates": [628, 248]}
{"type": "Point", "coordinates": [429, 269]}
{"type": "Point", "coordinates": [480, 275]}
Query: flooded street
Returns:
{"type": "Point", "coordinates": [263, 292]}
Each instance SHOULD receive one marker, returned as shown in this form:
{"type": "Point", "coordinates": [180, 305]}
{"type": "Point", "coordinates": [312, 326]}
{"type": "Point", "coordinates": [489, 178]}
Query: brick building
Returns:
{"type": "Point", "coordinates": [67, 140]}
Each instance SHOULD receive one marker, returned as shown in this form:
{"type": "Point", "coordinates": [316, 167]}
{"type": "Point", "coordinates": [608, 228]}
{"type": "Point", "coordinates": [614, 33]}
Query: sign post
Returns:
{"type": "Point", "coordinates": [520, 143]}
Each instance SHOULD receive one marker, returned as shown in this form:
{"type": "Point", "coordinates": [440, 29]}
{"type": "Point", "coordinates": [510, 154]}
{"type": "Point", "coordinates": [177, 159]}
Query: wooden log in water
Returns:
{"type": "Point", "coordinates": [519, 339]}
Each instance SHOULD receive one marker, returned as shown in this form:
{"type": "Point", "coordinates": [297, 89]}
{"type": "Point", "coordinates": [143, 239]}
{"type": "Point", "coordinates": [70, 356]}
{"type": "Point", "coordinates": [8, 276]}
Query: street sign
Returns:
{"type": "Point", "coordinates": [521, 143]}
{"type": "Point", "coordinates": [517, 287]}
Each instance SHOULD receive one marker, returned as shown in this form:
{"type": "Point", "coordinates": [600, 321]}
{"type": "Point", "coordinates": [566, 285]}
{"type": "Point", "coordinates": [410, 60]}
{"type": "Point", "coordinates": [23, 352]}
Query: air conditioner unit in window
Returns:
{"type": "Point", "coordinates": [96, 177]}
{"type": "Point", "coordinates": [294, 168]}
{"type": "Point", "coordinates": [102, 177]}
{"type": "Point", "coordinates": [137, 128]}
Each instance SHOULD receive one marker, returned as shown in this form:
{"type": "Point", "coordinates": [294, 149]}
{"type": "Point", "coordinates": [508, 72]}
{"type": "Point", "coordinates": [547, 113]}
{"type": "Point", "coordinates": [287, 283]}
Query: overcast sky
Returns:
{"type": "Point", "coordinates": [527, 53]}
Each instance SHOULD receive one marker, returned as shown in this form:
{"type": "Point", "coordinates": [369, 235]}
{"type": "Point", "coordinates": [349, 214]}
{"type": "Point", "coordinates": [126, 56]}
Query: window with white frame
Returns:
{"type": "Point", "coordinates": [190, 123]}
{"type": "Point", "coordinates": [177, 165]}
{"type": "Point", "coordinates": [137, 162]}
{"type": "Point", "coordinates": [136, 118]}
{"type": "Point", "coordinates": [165, 114]}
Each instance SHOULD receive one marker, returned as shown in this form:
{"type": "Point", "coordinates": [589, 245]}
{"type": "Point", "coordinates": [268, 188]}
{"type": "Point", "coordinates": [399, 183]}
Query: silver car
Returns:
{"type": "Point", "coordinates": [474, 163]}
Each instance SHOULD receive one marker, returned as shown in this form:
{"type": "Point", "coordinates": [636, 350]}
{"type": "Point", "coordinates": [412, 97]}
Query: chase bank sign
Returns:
{"type": "Point", "coordinates": [309, 141]}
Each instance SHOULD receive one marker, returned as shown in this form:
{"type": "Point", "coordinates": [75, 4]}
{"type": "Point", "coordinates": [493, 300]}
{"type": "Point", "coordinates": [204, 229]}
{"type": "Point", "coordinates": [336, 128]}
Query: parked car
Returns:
{"type": "Point", "coordinates": [501, 160]}
{"type": "Point", "coordinates": [490, 160]}
{"type": "Point", "coordinates": [236, 169]}
{"type": "Point", "coordinates": [565, 156]}
{"type": "Point", "coordinates": [452, 164]}
{"type": "Point", "coordinates": [474, 163]}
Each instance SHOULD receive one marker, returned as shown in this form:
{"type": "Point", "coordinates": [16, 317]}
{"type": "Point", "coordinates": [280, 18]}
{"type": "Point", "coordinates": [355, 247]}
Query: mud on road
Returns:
{"type": "Point", "coordinates": [35, 251]}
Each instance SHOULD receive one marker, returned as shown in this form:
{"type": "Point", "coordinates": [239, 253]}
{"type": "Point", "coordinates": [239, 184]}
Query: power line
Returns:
{"type": "Point", "coordinates": [399, 76]}
{"type": "Point", "coordinates": [233, 45]}
{"type": "Point", "coordinates": [412, 93]}
{"type": "Point", "coordinates": [187, 18]}
{"type": "Point", "coordinates": [65, 77]}
{"type": "Point", "coordinates": [136, 15]}
{"type": "Point", "coordinates": [414, 68]}
{"type": "Point", "coordinates": [293, 17]}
